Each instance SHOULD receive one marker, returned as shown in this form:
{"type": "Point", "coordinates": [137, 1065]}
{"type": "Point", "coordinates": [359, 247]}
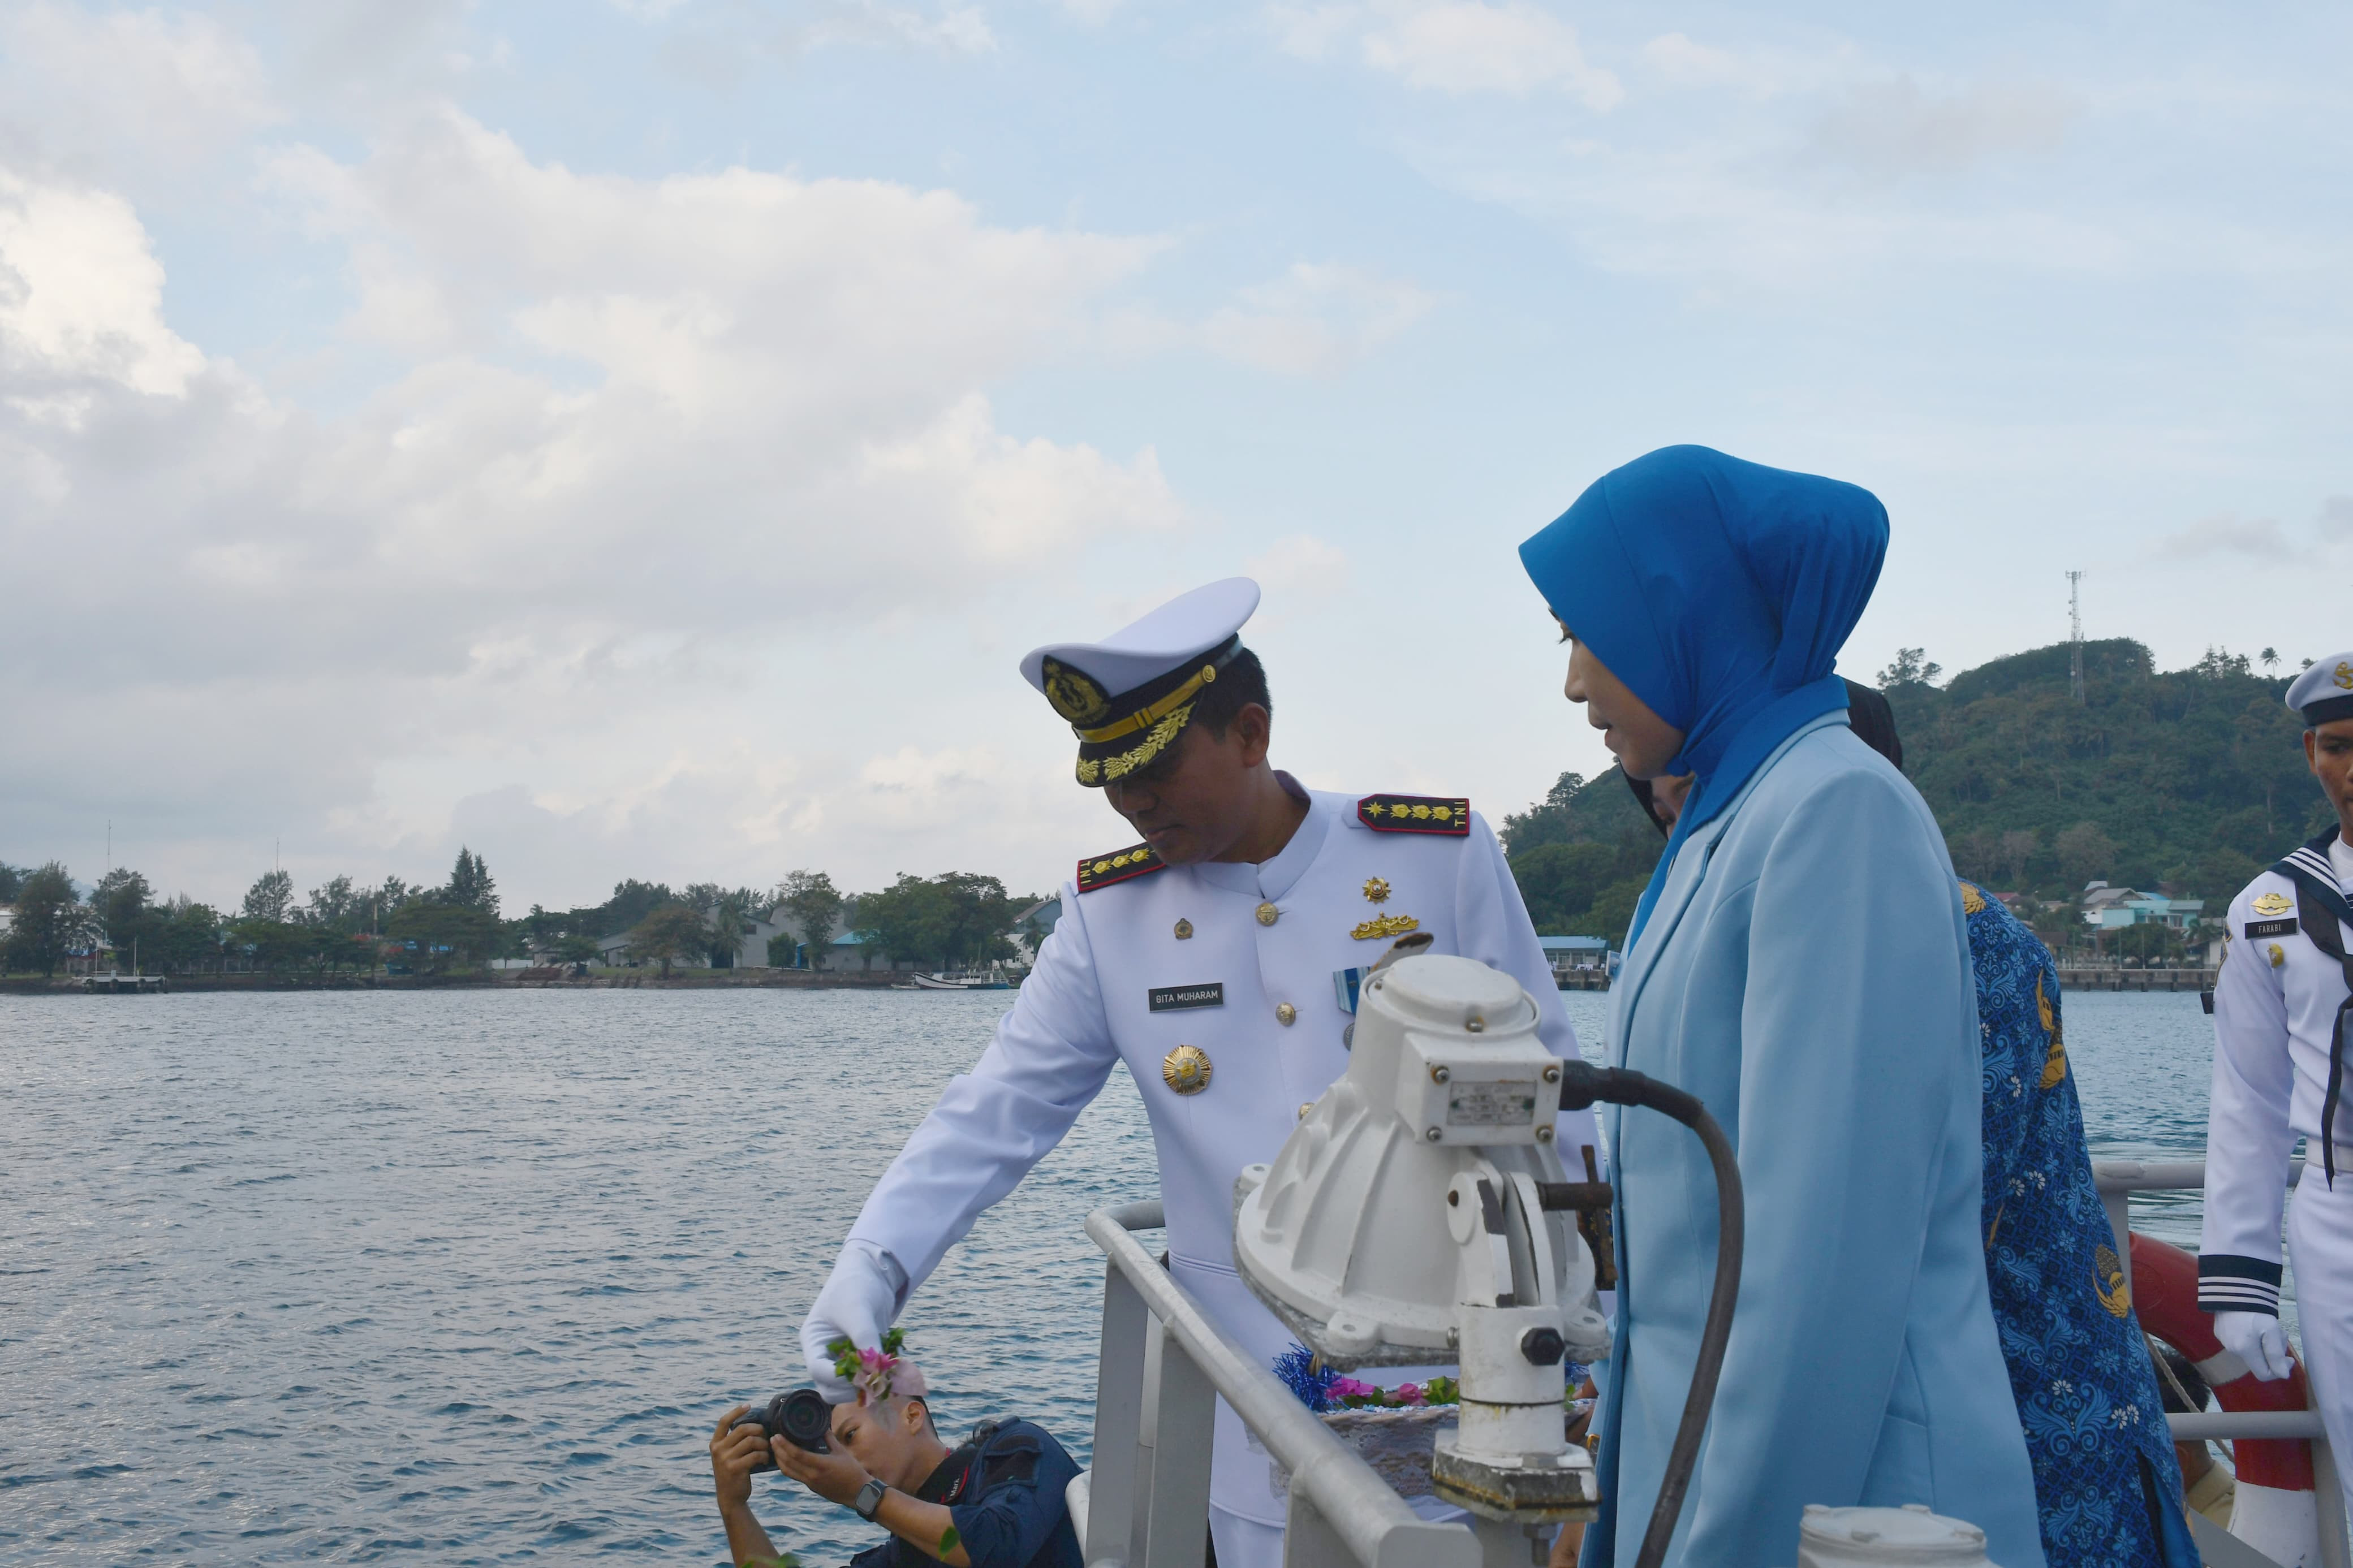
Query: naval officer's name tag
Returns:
{"type": "Point", "coordinates": [2271, 928]}
{"type": "Point", "coordinates": [1179, 998]}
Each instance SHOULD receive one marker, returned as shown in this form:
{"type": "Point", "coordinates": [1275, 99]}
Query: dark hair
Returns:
{"type": "Point", "coordinates": [2180, 1388]}
{"type": "Point", "coordinates": [1242, 682]}
{"type": "Point", "coordinates": [1873, 721]}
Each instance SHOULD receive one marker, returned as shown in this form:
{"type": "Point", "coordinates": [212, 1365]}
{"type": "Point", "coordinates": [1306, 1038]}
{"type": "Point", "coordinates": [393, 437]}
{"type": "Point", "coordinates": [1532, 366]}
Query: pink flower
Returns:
{"type": "Point", "coordinates": [1408, 1394]}
{"type": "Point", "coordinates": [1349, 1388]}
{"type": "Point", "coordinates": [883, 1377]}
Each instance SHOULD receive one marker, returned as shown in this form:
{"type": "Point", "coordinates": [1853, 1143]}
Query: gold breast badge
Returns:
{"type": "Point", "coordinates": [1183, 931]}
{"type": "Point", "coordinates": [1385, 925]}
{"type": "Point", "coordinates": [1186, 1069]}
{"type": "Point", "coordinates": [2108, 1277]}
{"type": "Point", "coordinates": [2273, 903]}
{"type": "Point", "coordinates": [1376, 892]}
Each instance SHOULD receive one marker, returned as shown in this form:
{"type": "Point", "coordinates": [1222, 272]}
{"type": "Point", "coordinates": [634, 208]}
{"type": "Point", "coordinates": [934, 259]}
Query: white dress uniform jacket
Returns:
{"type": "Point", "coordinates": [1087, 1006]}
{"type": "Point", "coordinates": [2275, 1003]}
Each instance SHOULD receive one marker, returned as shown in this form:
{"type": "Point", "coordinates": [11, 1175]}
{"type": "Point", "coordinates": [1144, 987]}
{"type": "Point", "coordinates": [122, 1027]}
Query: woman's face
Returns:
{"type": "Point", "coordinates": [1643, 742]}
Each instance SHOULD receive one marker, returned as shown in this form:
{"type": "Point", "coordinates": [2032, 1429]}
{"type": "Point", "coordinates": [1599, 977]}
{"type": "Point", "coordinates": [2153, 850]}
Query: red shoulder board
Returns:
{"type": "Point", "coordinates": [1414, 813]}
{"type": "Point", "coordinates": [1103, 870]}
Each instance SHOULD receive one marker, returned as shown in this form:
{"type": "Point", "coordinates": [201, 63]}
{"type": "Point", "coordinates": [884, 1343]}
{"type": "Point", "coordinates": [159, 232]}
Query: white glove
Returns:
{"type": "Point", "coordinates": [2257, 1339]}
{"type": "Point", "coordinates": [860, 1298]}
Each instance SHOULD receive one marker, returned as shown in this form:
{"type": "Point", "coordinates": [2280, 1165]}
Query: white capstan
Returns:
{"type": "Point", "coordinates": [1405, 1216]}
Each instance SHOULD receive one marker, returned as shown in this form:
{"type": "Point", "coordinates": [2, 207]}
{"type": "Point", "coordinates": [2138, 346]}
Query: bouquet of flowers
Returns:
{"type": "Point", "coordinates": [879, 1374]}
{"type": "Point", "coordinates": [1322, 1390]}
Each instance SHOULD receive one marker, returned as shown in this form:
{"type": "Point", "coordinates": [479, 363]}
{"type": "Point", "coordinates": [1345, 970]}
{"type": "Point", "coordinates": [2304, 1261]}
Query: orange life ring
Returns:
{"type": "Point", "coordinates": [2164, 1291]}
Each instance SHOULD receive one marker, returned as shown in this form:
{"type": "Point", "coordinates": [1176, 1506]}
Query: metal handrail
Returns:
{"type": "Point", "coordinates": [2118, 1180]}
{"type": "Point", "coordinates": [1341, 1510]}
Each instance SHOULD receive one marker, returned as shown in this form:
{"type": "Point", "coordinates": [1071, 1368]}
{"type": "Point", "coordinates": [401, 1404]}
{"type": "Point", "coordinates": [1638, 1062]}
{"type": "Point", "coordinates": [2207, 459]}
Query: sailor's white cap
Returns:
{"type": "Point", "coordinates": [1128, 696]}
{"type": "Point", "coordinates": [2323, 693]}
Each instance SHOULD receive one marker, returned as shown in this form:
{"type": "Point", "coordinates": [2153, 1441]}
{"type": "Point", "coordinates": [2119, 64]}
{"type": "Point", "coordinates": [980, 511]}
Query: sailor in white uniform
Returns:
{"type": "Point", "coordinates": [2280, 1016]}
{"type": "Point", "coordinates": [1217, 959]}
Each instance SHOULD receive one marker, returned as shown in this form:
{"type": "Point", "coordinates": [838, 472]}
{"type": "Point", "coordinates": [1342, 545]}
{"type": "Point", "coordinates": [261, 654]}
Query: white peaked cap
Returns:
{"type": "Point", "coordinates": [1186, 626]}
{"type": "Point", "coordinates": [2323, 693]}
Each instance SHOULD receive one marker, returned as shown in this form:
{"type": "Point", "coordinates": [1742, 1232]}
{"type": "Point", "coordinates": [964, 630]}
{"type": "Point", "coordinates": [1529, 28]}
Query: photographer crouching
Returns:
{"type": "Point", "coordinates": [994, 1502]}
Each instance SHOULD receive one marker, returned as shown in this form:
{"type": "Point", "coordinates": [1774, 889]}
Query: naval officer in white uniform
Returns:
{"type": "Point", "coordinates": [1215, 958]}
{"type": "Point", "coordinates": [2281, 1006]}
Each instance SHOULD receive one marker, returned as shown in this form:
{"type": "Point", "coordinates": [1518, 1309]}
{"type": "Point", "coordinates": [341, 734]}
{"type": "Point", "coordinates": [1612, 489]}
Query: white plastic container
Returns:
{"type": "Point", "coordinates": [1907, 1537]}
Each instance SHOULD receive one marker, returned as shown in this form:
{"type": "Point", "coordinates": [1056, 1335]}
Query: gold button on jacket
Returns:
{"type": "Point", "coordinates": [1285, 1013]}
{"type": "Point", "coordinates": [1268, 914]}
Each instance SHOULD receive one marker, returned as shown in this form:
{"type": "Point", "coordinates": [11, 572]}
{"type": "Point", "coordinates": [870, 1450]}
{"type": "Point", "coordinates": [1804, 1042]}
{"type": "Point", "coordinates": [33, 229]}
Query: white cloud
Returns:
{"type": "Point", "coordinates": [1463, 47]}
{"type": "Point", "coordinates": [656, 448]}
{"type": "Point", "coordinates": [2260, 537]}
{"type": "Point", "coordinates": [1300, 569]}
{"type": "Point", "coordinates": [81, 297]}
{"type": "Point", "coordinates": [147, 91]}
{"type": "Point", "coordinates": [1681, 62]}
{"type": "Point", "coordinates": [1317, 319]}
{"type": "Point", "coordinates": [1892, 128]}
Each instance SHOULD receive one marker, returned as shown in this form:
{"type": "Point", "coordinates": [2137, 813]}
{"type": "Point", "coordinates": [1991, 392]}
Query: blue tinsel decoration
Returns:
{"type": "Point", "coordinates": [1304, 1376]}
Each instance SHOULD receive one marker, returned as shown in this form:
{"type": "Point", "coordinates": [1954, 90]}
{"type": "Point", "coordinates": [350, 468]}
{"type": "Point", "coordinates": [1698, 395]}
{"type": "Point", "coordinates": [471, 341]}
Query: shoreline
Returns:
{"type": "Point", "coordinates": [510, 980]}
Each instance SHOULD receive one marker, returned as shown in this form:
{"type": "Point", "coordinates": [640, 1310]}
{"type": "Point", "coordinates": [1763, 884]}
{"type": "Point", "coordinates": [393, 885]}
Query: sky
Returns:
{"type": "Point", "coordinates": [640, 437]}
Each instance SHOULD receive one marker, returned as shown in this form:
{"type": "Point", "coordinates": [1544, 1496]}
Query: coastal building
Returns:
{"type": "Point", "coordinates": [1030, 928]}
{"type": "Point", "coordinates": [848, 951]}
{"type": "Point", "coordinates": [751, 952]}
{"type": "Point", "coordinates": [1572, 954]}
{"type": "Point", "coordinates": [2110, 908]}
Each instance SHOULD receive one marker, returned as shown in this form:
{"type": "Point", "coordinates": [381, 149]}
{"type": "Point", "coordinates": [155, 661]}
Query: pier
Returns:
{"type": "Point", "coordinates": [2110, 977]}
{"type": "Point", "coordinates": [131, 983]}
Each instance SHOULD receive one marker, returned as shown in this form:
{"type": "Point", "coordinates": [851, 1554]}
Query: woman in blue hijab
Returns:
{"type": "Point", "coordinates": [1798, 962]}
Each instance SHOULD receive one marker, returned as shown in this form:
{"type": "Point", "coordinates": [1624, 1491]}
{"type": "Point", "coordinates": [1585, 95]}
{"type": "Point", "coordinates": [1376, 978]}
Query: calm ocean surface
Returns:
{"type": "Point", "coordinates": [466, 1276]}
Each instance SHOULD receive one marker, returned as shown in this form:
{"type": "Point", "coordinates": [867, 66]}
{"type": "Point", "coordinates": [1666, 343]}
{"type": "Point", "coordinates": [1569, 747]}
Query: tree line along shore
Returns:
{"type": "Point", "coordinates": [2173, 787]}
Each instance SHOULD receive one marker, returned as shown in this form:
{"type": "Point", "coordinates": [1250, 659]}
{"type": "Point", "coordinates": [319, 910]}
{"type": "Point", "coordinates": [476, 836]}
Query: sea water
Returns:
{"type": "Point", "coordinates": [466, 1276]}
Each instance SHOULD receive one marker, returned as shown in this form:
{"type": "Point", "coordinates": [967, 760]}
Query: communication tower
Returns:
{"type": "Point", "coordinates": [2075, 635]}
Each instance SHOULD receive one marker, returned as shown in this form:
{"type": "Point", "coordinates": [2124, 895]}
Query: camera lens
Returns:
{"type": "Point", "coordinates": [803, 1419]}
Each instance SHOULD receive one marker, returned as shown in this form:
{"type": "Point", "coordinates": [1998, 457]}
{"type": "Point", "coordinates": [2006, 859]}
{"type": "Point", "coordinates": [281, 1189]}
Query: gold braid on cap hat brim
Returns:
{"type": "Point", "coordinates": [1103, 770]}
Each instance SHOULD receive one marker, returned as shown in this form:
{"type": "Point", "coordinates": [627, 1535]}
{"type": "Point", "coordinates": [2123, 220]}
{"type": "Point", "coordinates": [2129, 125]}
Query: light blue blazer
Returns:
{"type": "Point", "coordinates": [1806, 973]}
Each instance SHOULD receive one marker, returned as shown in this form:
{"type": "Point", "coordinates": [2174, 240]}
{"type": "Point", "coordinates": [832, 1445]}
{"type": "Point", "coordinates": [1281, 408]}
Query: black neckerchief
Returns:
{"type": "Point", "coordinates": [2319, 905]}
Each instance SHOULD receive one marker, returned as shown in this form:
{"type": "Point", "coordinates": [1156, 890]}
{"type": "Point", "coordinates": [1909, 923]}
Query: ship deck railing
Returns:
{"type": "Point", "coordinates": [2117, 1181]}
{"type": "Point", "coordinates": [1145, 1503]}
{"type": "Point", "coordinates": [1162, 1365]}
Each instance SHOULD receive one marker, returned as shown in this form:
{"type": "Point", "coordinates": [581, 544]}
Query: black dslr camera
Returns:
{"type": "Point", "coordinates": [801, 1419]}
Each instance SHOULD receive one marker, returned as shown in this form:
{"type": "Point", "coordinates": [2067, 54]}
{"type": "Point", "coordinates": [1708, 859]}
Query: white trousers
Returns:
{"type": "Point", "coordinates": [1244, 1542]}
{"type": "Point", "coordinates": [2321, 1248]}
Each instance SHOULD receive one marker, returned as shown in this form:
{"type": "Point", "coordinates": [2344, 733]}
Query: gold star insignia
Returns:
{"type": "Point", "coordinates": [1376, 891]}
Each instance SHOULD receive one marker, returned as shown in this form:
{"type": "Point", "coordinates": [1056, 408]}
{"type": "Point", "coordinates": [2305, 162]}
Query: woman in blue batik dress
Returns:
{"type": "Point", "coordinates": [2107, 1483]}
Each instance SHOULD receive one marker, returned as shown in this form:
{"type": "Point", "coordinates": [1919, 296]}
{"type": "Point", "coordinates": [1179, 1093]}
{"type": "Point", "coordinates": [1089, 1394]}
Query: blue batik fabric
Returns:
{"type": "Point", "coordinates": [2107, 1485]}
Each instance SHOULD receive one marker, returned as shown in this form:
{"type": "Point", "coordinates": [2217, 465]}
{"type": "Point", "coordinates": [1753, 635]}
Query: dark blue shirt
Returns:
{"type": "Point", "coordinates": [1005, 1493]}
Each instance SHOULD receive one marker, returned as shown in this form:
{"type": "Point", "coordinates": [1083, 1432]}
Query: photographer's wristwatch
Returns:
{"type": "Point", "coordinates": [869, 1499]}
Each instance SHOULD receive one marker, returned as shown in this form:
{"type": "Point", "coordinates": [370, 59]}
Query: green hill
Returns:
{"type": "Point", "coordinates": [2182, 781]}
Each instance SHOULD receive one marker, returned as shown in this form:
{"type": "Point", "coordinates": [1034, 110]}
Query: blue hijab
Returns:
{"type": "Point", "coordinates": [1720, 593]}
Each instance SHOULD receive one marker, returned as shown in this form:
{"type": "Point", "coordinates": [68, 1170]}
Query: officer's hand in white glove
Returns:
{"type": "Point", "coordinates": [858, 1302]}
{"type": "Point", "coordinates": [2257, 1339]}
